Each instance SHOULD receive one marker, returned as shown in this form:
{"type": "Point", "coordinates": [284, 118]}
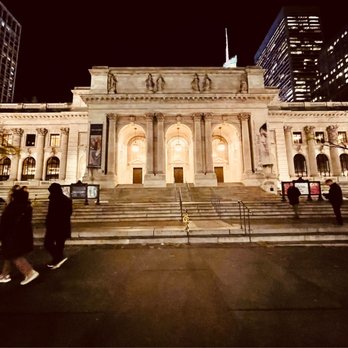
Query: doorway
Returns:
{"type": "Point", "coordinates": [178, 175]}
{"type": "Point", "coordinates": [137, 175]}
{"type": "Point", "coordinates": [219, 172]}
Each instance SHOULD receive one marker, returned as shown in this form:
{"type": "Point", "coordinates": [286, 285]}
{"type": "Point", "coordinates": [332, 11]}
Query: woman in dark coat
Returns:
{"type": "Point", "coordinates": [17, 237]}
{"type": "Point", "coordinates": [58, 225]}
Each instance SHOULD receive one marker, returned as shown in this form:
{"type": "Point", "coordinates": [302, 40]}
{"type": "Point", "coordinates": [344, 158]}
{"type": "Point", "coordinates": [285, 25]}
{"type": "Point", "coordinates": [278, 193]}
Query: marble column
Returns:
{"type": "Point", "coordinates": [149, 143]}
{"type": "Point", "coordinates": [64, 156]}
{"type": "Point", "coordinates": [198, 143]}
{"type": "Point", "coordinates": [112, 148]}
{"type": "Point", "coordinates": [244, 120]}
{"type": "Point", "coordinates": [209, 167]}
{"type": "Point", "coordinates": [160, 144]}
{"type": "Point", "coordinates": [17, 137]}
{"type": "Point", "coordinates": [40, 152]}
{"type": "Point", "coordinates": [335, 159]}
{"type": "Point", "coordinates": [288, 149]}
{"type": "Point", "coordinates": [313, 168]}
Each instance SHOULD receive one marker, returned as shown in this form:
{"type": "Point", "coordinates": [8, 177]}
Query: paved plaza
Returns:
{"type": "Point", "coordinates": [181, 295]}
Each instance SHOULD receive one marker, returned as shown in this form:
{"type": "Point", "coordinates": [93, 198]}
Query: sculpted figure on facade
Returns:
{"type": "Point", "coordinates": [160, 83]}
{"type": "Point", "coordinates": [112, 83]}
{"type": "Point", "coordinates": [195, 83]}
{"type": "Point", "coordinates": [206, 86]}
{"type": "Point", "coordinates": [243, 85]}
{"type": "Point", "coordinates": [150, 84]}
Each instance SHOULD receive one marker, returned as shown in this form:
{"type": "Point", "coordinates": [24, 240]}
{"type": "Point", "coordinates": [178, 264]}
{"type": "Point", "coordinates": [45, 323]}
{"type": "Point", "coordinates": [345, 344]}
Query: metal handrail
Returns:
{"type": "Point", "coordinates": [180, 202]}
{"type": "Point", "coordinates": [244, 218]}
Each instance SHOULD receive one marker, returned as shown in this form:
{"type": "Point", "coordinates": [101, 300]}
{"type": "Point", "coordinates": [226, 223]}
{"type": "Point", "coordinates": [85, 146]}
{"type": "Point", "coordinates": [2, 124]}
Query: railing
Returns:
{"type": "Point", "coordinates": [244, 218]}
{"type": "Point", "coordinates": [178, 189]}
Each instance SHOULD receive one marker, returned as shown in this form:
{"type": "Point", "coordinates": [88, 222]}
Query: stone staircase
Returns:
{"type": "Point", "coordinates": [153, 215]}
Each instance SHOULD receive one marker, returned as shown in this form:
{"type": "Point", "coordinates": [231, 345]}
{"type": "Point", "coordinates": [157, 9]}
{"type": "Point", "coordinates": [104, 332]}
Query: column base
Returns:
{"type": "Point", "coordinates": [152, 180]}
{"type": "Point", "coordinates": [208, 179]}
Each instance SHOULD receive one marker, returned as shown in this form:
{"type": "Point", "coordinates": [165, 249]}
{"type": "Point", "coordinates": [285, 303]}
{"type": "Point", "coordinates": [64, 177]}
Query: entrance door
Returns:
{"type": "Point", "coordinates": [137, 175]}
{"type": "Point", "coordinates": [178, 175]}
{"type": "Point", "coordinates": [219, 172]}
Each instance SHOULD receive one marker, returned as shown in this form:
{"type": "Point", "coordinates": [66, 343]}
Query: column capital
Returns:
{"type": "Point", "coordinates": [111, 116]}
{"type": "Point", "coordinates": [243, 116]}
{"type": "Point", "coordinates": [42, 131]}
{"type": "Point", "coordinates": [65, 131]}
{"type": "Point", "coordinates": [17, 131]}
{"type": "Point", "coordinates": [208, 116]}
{"type": "Point", "coordinates": [197, 117]}
{"type": "Point", "coordinates": [309, 130]}
{"type": "Point", "coordinates": [149, 117]}
{"type": "Point", "coordinates": [287, 128]}
{"type": "Point", "coordinates": [159, 116]}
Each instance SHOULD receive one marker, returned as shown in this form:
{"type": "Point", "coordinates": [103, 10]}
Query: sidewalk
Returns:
{"type": "Point", "coordinates": [181, 296]}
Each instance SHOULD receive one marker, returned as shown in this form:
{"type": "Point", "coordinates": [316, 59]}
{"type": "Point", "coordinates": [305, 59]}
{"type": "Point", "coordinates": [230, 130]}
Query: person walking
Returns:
{"type": "Point", "coordinates": [58, 225]}
{"type": "Point", "coordinates": [16, 234]}
{"type": "Point", "coordinates": [294, 194]}
{"type": "Point", "coordinates": [335, 197]}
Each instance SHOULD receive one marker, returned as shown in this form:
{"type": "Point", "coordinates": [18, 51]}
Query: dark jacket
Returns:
{"type": "Point", "coordinates": [335, 194]}
{"type": "Point", "coordinates": [293, 195]}
{"type": "Point", "coordinates": [59, 213]}
{"type": "Point", "coordinates": [16, 230]}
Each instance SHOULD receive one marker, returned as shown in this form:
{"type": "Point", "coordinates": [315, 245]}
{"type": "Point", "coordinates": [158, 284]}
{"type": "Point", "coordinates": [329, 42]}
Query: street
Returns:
{"type": "Point", "coordinates": [181, 295]}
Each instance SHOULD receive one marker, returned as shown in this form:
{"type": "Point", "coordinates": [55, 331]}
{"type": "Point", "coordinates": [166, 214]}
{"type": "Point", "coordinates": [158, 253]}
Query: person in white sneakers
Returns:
{"type": "Point", "coordinates": [58, 225]}
{"type": "Point", "coordinates": [16, 234]}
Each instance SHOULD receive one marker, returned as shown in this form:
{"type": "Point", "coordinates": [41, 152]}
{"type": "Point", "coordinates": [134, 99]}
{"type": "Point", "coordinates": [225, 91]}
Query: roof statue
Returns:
{"type": "Point", "coordinates": [230, 63]}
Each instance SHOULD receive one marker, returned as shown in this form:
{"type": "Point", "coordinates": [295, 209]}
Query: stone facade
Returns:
{"type": "Point", "coordinates": [157, 126]}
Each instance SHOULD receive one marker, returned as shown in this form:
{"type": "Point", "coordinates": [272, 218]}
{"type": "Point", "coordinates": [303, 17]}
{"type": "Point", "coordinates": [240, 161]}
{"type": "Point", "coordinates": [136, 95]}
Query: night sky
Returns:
{"type": "Point", "coordinates": [62, 39]}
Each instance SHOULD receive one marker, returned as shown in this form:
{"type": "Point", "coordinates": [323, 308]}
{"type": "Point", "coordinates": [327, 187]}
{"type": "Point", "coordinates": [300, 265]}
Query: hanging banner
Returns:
{"type": "Point", "coordinates": [95, 146]}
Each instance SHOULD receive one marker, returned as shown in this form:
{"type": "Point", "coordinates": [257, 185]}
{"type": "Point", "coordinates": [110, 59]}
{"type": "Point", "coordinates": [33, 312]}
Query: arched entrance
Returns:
{"type": "Point", "coordinates": [179, 154]}
{"type": "Point", "coordinates": [131, 155]}
{"type": "Point", "coordinates": [227, 159]}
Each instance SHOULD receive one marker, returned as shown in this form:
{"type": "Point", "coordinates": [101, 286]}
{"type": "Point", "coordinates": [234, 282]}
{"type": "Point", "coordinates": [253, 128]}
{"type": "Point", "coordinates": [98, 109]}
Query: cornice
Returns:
{"type": "Point", "coordinates": [38, 115]}
{"type": "Point", "coordinates": [318, 114]}
{"type": "Point", "coordinates": [102, 98]}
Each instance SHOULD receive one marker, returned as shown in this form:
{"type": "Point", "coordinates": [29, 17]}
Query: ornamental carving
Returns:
{"type": "Point", "coordinates": [17, 131]}
{"type": "Point", "coordinates": [332, 132]}
{"type": "Point", "coordinates": [42, 131]}
{"type": "Point", "coordinates": [65, 131]}
{"type": "Point", "coordinates": [287, 128]}
{"type": "Point", "coordinates": [309, 130]}
{"type": "Point", "coordinates": [197, 86]}
{"type": "Point", "coordinates": [243, 116]}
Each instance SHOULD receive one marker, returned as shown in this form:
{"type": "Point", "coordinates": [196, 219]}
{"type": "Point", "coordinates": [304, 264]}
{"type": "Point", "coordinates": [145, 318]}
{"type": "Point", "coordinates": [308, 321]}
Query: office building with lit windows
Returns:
{"type": "Point", "coordinates": [289, 53]}
{"type": "Point", "coordinates": [332, 82]}
{"type": "Point", "coordinates": [10, 33]}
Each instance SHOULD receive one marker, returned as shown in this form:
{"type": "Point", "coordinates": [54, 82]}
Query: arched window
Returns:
{"type": "Point", "coordinates": [344, 164]}
{"type": "Point", "coordinates": [28, 169]}
{"type": "Point", "coordinates": [323, 165]}
{"type": "Point", "coordinates": [300, 165]}
{"type": "Point", "coordinates": [52, 168]}
{"type": "Point", "coordinates": [5, 165]}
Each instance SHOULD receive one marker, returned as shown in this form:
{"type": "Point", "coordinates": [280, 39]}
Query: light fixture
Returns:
{"type": "Point", "coordinates": [135, 146]}
{"type": "Point", "coordinates": [178, 146]}
{"type": "Point", "coordinates": [221, 145]}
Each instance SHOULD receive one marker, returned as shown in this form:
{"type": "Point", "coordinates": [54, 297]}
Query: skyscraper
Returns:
{"type": "Point", "coordinates": [332, 83]}
{"type": "Point", "coordinates": [10, 33]}
{"type": "Point", "coordinates": [289, 52]}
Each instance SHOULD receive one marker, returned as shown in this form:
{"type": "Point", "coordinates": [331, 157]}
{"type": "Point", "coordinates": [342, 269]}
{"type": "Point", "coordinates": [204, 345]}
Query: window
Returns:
{"type": "Point", "coordinates": [319, 137]}
{"type": "Point", "coordinates": [55, 140]}
{"type": "Point", "coordinates": [342, 137]}
{"type": "Point", "coordinates": [5, 166]}
{"type": "Point", "coordinates": [323, 165]}
{"type": "Point", "coordinates": [344, 164]}
{"type": "Point", "coordinates": [28, 169]}
{"type": "Point", "coordinates": [297, 137]}
{"type": "Point", "coordinates": [30, 140]}
{"type": "Point", "coordinates": [300, 165]}
{"type": "Point", "coordinates": [52, 169]}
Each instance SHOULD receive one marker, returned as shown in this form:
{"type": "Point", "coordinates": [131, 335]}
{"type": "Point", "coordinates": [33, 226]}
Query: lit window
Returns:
{"type": "Point", "coordinates": [297, 137]}
{"type": "Point", "coordinates": [55, 140]}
